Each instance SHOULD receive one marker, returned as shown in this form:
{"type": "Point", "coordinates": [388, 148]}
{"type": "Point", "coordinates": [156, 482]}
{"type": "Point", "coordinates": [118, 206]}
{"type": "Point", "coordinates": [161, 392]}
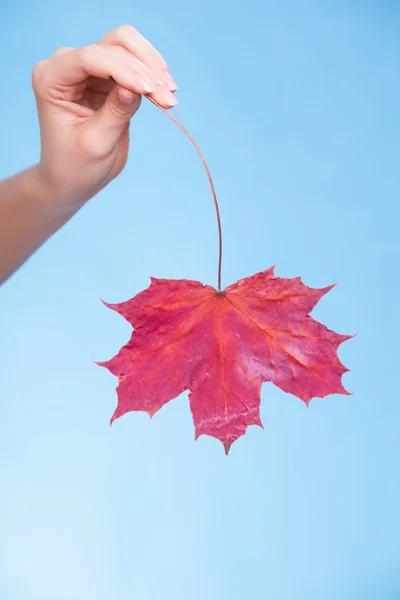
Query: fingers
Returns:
{"type": "Point", "coordinates": [71, 67]}
{"type": "Point", "coordinates": [100, 134]}
{"type": "Point", "coordinates": [129, 38]}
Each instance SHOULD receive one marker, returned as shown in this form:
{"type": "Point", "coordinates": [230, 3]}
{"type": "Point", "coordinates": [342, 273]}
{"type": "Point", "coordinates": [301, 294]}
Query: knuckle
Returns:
{"type": "Point", "coordinates": [38, 73]}
{"type": "Point", "coordinates": [61, 51]}
{"type": "Point", "coordinates": [116, 111]}
{"type": "Point", "coordinates": [124, 31]}
{"type": "Point", "coordinates": [88, 53]}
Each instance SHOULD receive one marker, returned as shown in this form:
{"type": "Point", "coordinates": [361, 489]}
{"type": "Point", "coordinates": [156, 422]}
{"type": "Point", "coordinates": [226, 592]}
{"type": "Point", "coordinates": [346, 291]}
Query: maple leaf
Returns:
{"type": "Point", "coordinates": [222, 346]}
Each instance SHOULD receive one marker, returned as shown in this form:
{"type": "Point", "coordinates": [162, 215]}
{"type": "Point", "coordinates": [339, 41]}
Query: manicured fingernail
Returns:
{"type": "Point", "coordinates": [126, 96]}
{"type": "Point", "coordinates": [168, 81]}
{"type": "Point", "coordinates": [165, 97]}
{"type": "Point", "coordinates": [144, 84]}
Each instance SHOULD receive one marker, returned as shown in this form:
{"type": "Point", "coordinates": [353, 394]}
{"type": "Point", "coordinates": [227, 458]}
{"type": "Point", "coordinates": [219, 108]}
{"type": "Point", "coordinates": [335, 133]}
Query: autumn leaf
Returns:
{"type": "Point", "coordinates": [222, 346]}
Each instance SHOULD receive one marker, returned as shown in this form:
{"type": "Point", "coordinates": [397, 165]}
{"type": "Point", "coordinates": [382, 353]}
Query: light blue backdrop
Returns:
{"type": "Point", "coordinates": [296, 107]}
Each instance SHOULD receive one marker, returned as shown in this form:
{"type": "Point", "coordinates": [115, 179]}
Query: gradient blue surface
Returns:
{"type": "Point", "coordinates": [296, 107]}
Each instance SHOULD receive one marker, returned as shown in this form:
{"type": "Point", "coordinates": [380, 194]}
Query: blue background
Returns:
{"type": "Point", "coordinates": [296, 108]}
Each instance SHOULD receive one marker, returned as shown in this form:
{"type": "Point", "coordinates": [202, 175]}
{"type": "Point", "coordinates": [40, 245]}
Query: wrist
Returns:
{"type": "Point", "coordinates": [52, 196]}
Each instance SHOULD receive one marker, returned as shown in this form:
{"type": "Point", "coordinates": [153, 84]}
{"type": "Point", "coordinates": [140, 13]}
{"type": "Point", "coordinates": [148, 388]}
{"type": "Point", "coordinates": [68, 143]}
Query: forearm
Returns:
{"type": "Point", "coordinates": [28, 217]}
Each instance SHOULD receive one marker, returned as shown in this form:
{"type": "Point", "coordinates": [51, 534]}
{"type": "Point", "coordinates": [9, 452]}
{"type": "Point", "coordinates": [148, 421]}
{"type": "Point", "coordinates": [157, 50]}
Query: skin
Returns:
{"type": "Point", "coordinates": [84, 118]}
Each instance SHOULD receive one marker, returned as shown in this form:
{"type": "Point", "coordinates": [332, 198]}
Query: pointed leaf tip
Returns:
{"type": "Point", "coordinates": [109, 304]}
{"type": "Point", "coordinates": [328, 288]}
{"type": "Point", "coordinates": [101, 363]}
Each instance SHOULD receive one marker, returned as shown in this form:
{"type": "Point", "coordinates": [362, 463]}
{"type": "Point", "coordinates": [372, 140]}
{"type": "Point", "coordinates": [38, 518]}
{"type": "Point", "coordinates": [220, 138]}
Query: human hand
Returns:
{"type": "Point", "coordinates": [84, 115]}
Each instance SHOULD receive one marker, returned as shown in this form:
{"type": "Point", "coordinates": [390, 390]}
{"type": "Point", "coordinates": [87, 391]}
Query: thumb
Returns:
{"type": "Point", "coordinates": [112, 118]}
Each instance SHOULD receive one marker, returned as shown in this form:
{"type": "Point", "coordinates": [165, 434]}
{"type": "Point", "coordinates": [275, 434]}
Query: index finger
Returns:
{"type": "Point", "coordinates": [133, 41]}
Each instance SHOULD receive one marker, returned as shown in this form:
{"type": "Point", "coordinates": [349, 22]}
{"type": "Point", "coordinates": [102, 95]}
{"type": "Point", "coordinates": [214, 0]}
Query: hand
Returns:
{"type": "Point", "coordinates": [84, 115]}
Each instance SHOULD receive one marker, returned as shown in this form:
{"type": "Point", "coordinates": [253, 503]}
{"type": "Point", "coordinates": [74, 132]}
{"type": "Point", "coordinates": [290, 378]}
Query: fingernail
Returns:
{"type": "Point", "coordinates": [126, 96]}
{"type": "Point", "coordinates": [144, 84]}
{"type": "Point", "coordinates": [165, 97]}
{"type": "Point", "coordinates": [168, 81]}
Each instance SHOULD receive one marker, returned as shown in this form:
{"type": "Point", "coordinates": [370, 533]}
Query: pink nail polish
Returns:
{"type": "Point", "coordinates": [168, 98]}
{"type": "Point", "coordinates": [127, 97]}
{"type": "Point", "coordinates": [144, 83]}
{"type": "Point", "coordinates": [168, 81]}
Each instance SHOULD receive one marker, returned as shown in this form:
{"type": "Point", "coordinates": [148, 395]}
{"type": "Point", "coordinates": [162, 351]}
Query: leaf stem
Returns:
{"type": "Point", "coordinates": [210, 182]}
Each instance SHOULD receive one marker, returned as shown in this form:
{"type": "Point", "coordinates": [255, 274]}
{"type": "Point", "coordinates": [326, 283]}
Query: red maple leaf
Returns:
{"type": "Point", "coordinates": [222, 345]}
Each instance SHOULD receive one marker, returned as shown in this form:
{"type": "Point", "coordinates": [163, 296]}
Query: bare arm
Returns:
{"type": "Point", "coordinates": [27, 218]}
{"type": "Point", "coordinates": [84, 118]}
